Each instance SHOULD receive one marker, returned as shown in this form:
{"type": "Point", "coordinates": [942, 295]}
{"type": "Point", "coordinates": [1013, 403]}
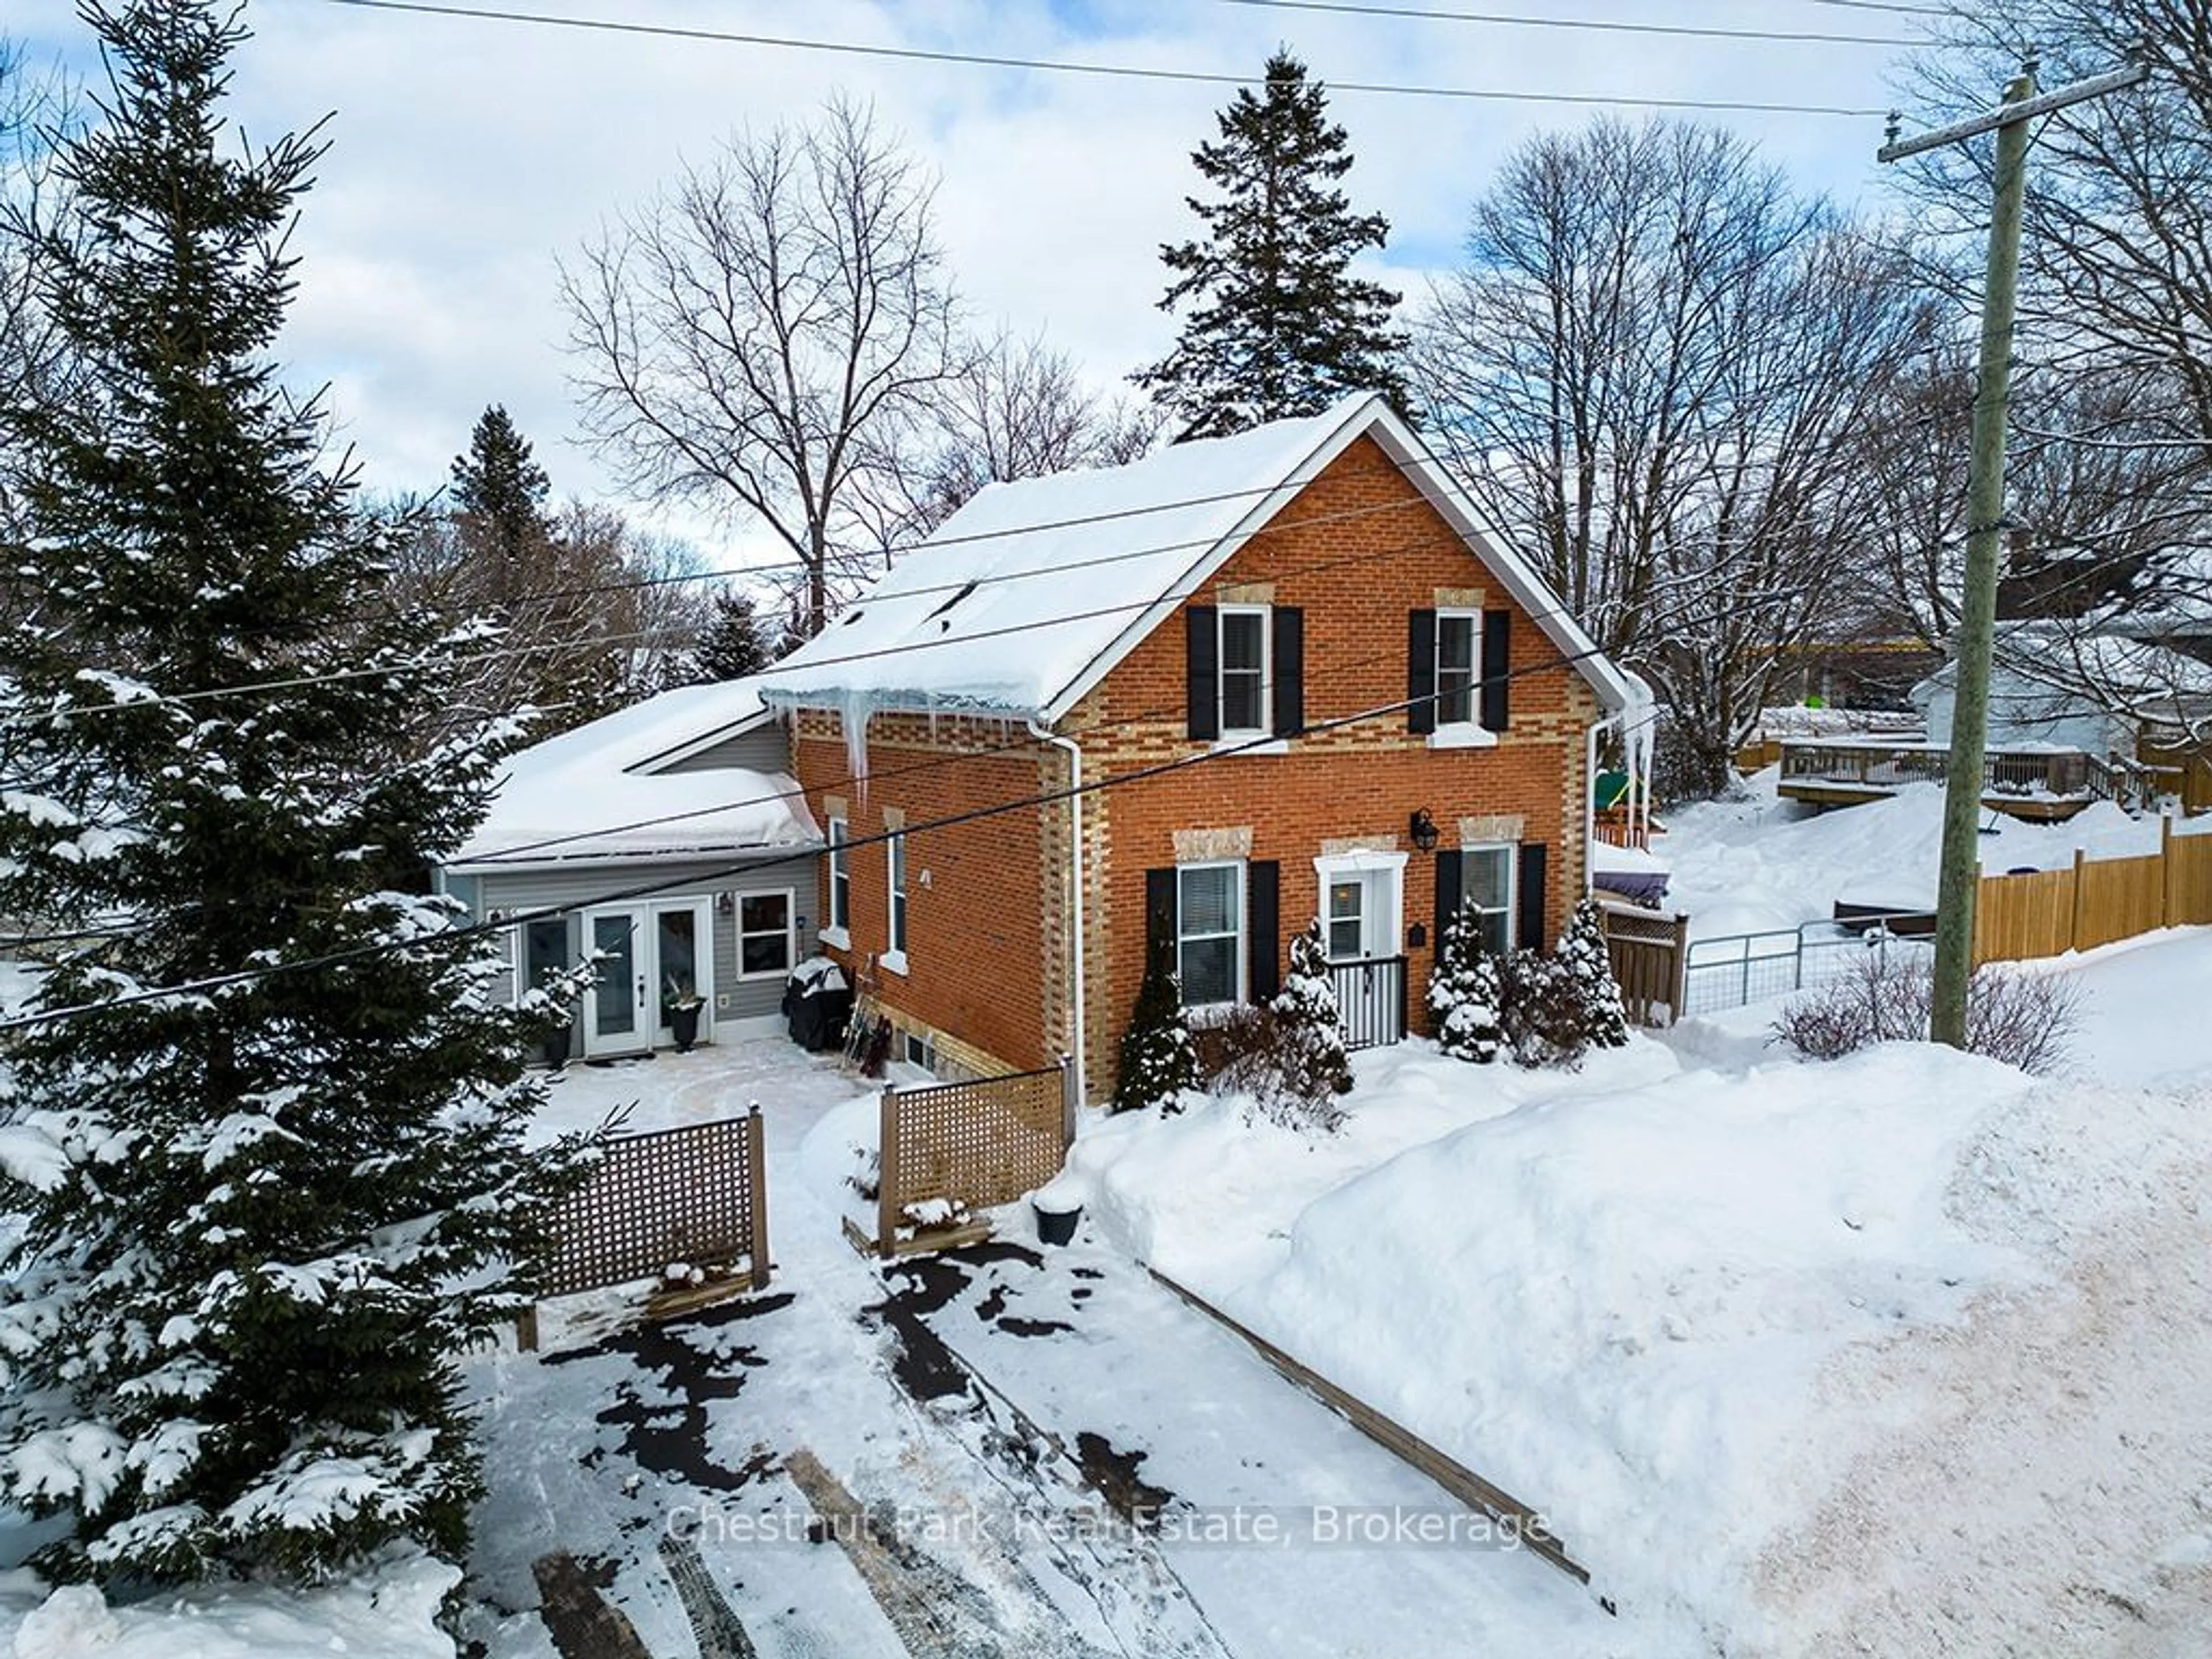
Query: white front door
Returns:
{"type": "Point", "coordinates": [1359, 923]}
{"type": "Point", "coordinates": [650, 957]}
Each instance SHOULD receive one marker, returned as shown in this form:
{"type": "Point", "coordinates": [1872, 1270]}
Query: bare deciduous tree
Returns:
{"type": "Point", "coordinates": [585, 616]}
{"type": "Point", "coordinates": [757, 337]}
{"type": "Point", "coordinates": [1015, 409]}
{"type": "Point", "coordinates": [35, 110]}
{"type": "Point", "coordinates": [1656, 371]}
{"type": "Point", "coordinates": [2110, 476]}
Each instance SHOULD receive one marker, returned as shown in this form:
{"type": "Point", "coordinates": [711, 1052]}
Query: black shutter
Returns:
{"type": "Point", "coordinates": [1263, 930]}
{"type": "Point", "coordinates": [1496, 666]}
{"type": "Point", "coordinates": [1290, 662]}
{"type": "Point", "coordinates": [1159, 906]}
{"type": "Point", "coordinates": [1421, 670]}
{"type": "Point", "coordinates": [1203, 660]}
{"type": "Point", "coordinates": [1529, 895]}
{"type": "Point", "coordinates": [1450, 884]}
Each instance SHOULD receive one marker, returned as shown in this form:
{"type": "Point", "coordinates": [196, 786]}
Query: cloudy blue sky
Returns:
{"type": "Point", "coordinates": [468, 155]}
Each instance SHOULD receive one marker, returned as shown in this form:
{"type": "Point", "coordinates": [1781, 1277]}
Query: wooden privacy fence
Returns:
{"type": "Point", "coordinates": [1649, 953]}
{"type": "Point", "coordinates": [2047, 913]}
{"type": "Point", "coordinates": [696, 1196]}
{"type": "Point", "coordinates": [951, 1149]}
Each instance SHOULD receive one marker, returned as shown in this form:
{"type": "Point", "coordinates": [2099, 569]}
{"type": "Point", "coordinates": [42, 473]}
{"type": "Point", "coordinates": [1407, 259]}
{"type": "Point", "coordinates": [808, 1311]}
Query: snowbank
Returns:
{"type": "Point", "coordinates": [1749, 865]}
{"type": "Point", "coordinates": [1610, 1292]}
{"type": "Point", "coordinates": [390, 1611]}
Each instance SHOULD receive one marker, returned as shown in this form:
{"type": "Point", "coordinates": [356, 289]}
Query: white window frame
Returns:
{"type": "Point", "coordinates": [1241, 955]}
{"type": "Point", "coordinates": [838, 929]}
{"type": "Point", "coordinates": [895, 901]}
{"type": "Point", "coordinates": [790, 931]}
{"type": "Point", "coordinates": [1266, 688]}
{"type": "Point", "coordinates": [1474, 671]}
{"type": "Point", "coordinates": [1511, 854]}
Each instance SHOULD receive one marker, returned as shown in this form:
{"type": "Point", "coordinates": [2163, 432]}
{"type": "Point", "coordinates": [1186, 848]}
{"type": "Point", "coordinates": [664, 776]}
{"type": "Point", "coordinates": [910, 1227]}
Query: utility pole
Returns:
{"type": "Point", "coordinates": [1959, 875]}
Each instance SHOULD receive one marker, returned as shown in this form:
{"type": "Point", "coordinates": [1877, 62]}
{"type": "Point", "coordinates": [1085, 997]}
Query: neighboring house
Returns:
{"type": "Point", "coordinates": [688, 795]}
{"type": "Point", "coordinates": [2104, 693]}
{"type": "Point", "coordinates": [1289, 677]}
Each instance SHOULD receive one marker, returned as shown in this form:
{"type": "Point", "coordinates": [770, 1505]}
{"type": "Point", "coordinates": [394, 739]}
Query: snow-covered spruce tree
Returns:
{"type": "Point", "coordinates": [1586, 968]}
{"type": "Point", "coordinates": [1156, 1063]}
{"type": "Point", "coordinates": [1278, 325]}
{"type": "Point", "coordinates": [1312, 1024]}
{"type": "Point", "coordinates": [732, 645]}
{"type": "Point", "coordinates": [1464, 995]}
{"type": "Point", "coordinates": [263, 1128]}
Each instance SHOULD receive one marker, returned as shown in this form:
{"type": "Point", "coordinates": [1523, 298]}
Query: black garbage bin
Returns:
{"type": "Point", "coordinates": [817, 1002]}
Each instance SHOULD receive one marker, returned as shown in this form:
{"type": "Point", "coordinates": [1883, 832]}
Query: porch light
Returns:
{"type": "Point", "coordinates": [726, 904]}
{"type": "Point", "coordinates": [1423, 828]}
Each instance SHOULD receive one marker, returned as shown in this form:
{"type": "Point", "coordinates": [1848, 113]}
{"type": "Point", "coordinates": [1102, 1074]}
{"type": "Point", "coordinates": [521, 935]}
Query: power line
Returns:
{"type": "Point", "coordinates": [1884, 6]}
{"type": "Point", "coordinates": [297, 682]}
{"type": "Point", "coordinates": [1116, 71]}
{"type": "Point", "coordinates": [648, 890]}
{"type": "Point", "coordinates": [1347, 7]}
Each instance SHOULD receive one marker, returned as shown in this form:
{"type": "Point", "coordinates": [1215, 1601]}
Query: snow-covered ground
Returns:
{"type": "Point", "coordinates": [1746, 865]}
{"type": "Point", "coordinates": [1902, 1354]}
{"type": "Point", "coordinates": [1906, 1354]}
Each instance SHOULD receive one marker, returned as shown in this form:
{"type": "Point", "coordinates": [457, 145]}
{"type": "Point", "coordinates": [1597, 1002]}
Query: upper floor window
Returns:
{"type": "Point", "coordinates": [1247, 672]}
{"type": "Point", "coordinates": [1243, 670]}
{"type": "Point", "coordinates": [1458, 655]}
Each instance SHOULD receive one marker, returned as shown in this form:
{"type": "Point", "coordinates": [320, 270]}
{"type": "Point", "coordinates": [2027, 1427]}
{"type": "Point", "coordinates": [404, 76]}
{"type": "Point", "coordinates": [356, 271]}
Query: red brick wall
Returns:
{"type": "Point", "coordinates": [1357, 549]}
{"type": "Point", "coordinates": [975, 933]}
{"type": "Point", "coordinates": [1359, 779]}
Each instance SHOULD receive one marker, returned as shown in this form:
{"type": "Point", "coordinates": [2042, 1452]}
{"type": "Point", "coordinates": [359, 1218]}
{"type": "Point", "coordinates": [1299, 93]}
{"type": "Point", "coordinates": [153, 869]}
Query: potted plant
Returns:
{"type": "Point", "coordinates": [680, 1008]}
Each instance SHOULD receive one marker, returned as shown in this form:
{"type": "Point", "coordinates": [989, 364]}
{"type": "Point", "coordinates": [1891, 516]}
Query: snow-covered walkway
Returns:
{"type": "Point", "coordinates": [978, 1404]}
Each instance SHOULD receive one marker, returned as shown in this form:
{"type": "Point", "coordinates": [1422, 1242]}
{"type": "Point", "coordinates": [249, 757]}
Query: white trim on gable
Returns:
{"type": "Point", "coordinates": [1371, 416]}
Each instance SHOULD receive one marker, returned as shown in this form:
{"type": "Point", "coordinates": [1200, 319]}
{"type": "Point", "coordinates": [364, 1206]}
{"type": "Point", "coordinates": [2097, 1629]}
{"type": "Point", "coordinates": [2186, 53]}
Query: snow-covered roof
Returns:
{"type": "Point", "coordinates": [594, 793]}
{"type": "Point", "coordinates": [2062, 664]}
{"type": "Point", "coordinates": [1024, 598]}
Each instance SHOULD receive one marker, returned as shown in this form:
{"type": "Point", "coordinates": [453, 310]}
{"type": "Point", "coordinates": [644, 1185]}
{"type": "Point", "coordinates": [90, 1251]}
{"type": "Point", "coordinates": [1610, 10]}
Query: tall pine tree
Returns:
{"type": "Point", "coordinates": [499, 490]}
{"type": "Point", "coordinates": [264, 1126]}
{"type": "Point", "coordinates": [1277, 325]}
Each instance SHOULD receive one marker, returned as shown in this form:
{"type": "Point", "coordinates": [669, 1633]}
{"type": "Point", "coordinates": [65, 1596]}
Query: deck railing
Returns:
{"type": "Point", "coordinates": [2061, 775]}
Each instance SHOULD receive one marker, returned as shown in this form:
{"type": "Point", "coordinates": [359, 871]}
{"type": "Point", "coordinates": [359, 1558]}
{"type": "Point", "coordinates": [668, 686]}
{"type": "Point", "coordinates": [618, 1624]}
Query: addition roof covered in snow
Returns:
{"type": "Point", "coordinates": [1022, 600]}
{"type": "Point", "coordinates": [598, 791]}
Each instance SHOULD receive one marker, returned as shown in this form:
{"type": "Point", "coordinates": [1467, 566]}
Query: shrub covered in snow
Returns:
{"type": "Point", "coordinates": [1251, 1051]}
{"type": "Point", "coordinates": [267, 1138]}
{"type": "Point", "coordinates": [2023, 1019]}
{"type": "Point", "coordinates": [1464, 995]}
{"type": "Point", "coordinates": [1586, 968]}
{"type": "Point", "coordinates": [1555, 1008]}
{"type": "Point", "coordinates": [1312, 1023]}
{"type": "Point", "coordinates": [1156, 1063]}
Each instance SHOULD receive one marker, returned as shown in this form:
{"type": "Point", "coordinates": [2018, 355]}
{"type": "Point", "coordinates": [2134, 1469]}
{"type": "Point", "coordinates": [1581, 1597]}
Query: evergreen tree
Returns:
{"type": "Point", "coordinates": [1277, 327]}
{"type": "Point", "coordinates": [730, 645]}
{"type": "Point", "coordinates": [1466, 999]}
{"type": "Point", "coordinates": [265, 1130]}
{"type": "Point", "coordinates": [500, 492]}
{"type": "Point", "coordinates": [1586, 970]}
{"type": "Point", "coordinates": [1312, 1024]}
{"type": "Point", "coordinates": [1157, 1063]}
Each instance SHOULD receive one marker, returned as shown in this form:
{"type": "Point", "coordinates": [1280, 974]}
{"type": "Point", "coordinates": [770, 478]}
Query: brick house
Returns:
{"type": "Point", "coordinates": [1221, 691]}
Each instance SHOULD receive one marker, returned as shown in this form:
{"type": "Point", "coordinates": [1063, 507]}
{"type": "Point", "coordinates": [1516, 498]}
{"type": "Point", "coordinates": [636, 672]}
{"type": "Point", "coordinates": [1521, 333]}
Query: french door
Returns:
{"type": "Point", "coordinates": [650, 957]}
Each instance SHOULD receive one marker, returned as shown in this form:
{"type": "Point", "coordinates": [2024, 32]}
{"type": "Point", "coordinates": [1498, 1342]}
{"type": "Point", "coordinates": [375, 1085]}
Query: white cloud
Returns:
{"type": "Point", "coordinates": [467, 156]}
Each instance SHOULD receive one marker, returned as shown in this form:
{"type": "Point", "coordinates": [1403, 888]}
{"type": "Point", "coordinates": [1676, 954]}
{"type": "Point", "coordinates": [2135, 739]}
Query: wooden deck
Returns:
{"type": "Point", "coordinates": [2041, 785]}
